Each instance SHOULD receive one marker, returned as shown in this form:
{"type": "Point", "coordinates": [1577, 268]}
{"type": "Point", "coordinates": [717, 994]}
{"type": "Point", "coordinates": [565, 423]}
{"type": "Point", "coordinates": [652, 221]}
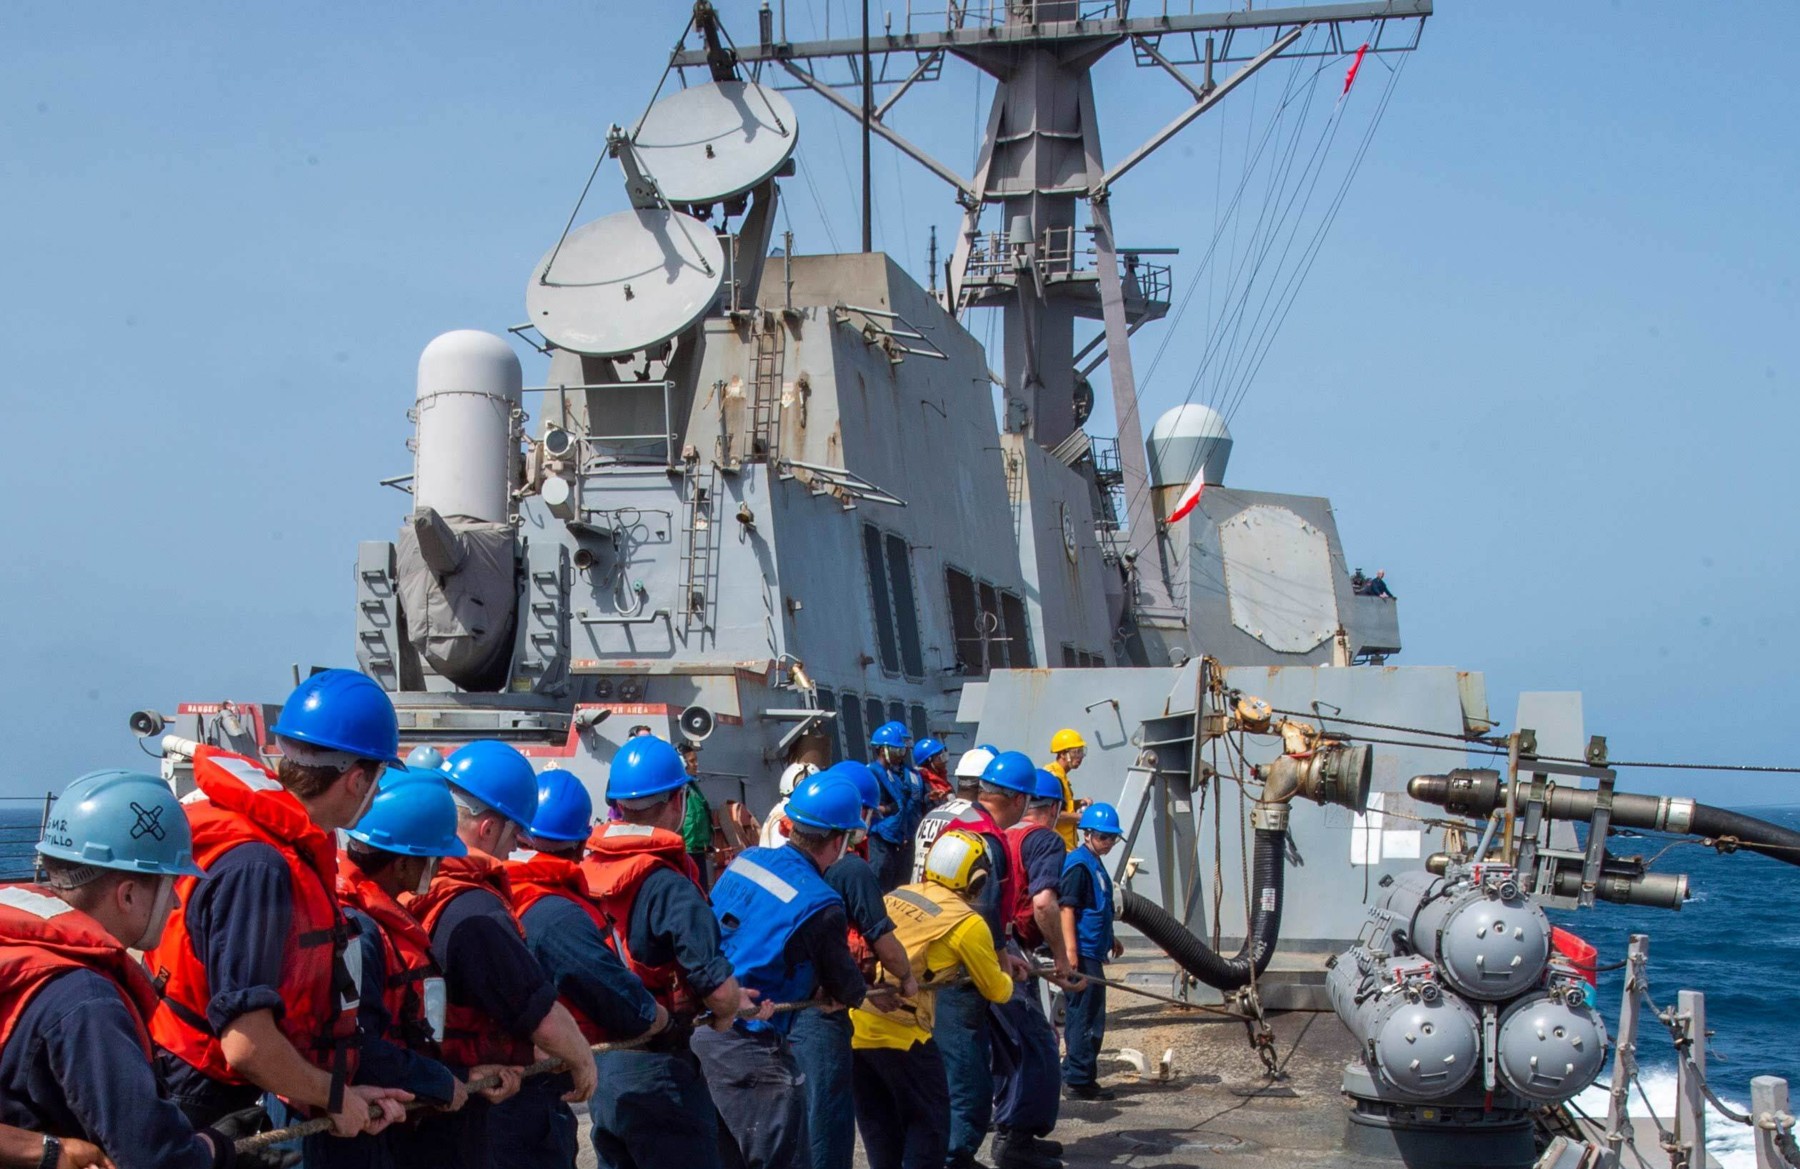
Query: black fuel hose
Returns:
{"type": "Point", "coordinates": [1772, 840]}
{"type": "Point", "coordinates": [1267, 870]}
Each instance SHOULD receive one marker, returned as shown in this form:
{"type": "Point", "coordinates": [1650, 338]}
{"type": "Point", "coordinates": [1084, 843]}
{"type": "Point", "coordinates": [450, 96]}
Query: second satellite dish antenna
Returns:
{"type": "Point", "coordinates": [712, 141]}
{"type": "Point", "coordinates": [625, 282]}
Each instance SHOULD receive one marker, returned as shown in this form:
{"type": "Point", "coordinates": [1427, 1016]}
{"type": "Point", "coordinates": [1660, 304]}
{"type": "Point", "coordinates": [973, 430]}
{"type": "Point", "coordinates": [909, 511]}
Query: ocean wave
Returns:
{"type": "Point", "coordinates": [1731, 1144]}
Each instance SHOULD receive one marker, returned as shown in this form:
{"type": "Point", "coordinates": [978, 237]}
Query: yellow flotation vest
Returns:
{"type": "Point", "coordinates": [922, 914]}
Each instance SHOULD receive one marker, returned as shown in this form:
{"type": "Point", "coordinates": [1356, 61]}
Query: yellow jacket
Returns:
{"type": "Point", "coordinates": [1066, 831]}
{"type": "Point", "coordinates": [941, 936]}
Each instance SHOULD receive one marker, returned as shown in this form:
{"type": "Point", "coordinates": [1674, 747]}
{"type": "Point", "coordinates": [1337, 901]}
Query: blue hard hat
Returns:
{"type": "Point", "coordinates": [925, 750]}
{"type": "Point", "coordinates": [342, 710]}
{"type": "Point", "coordinates": [412, 814]}
{"type": "Point", "coordinates": [565, 811]}
{"type": "Point", "coordinates": [890, 734]}
{"type": "Point", "coordinates": [425, 758]}
{"type": "Point", "coordinates": [1012, 770]}
{"type": "Point", "coordinates": [1048, 786]}
{"type": "Point", "coordinates": [645, 766]}
{"type": "Point", "coordinates": [122, 820]}
{"type": "Point", "coordinates": [1100, 818]}
{"type": "Point", "coordinates": [827, 802]}
{"type": "Point", "coordinates": [498, 776]}
{"type": "Point", "coordinates": [860, 777]}
{"type": "Point", "coordinates": [988, 747]}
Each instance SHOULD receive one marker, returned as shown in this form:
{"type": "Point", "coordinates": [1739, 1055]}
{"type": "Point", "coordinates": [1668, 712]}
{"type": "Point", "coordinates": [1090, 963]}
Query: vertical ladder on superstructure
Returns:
{"type": "Point", "coordinates": [700, 522]}
{"type": "Point", "coordinates": [765, 388]}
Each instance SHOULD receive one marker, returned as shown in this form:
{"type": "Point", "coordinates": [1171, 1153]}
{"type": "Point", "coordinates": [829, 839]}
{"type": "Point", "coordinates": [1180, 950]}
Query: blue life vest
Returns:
{"type": "Point", "coordinates": [761, 900]}
{"type": "Point", "coordinates": [906, 792]}
{"type": "Point", "coordinates": [1094, 928]}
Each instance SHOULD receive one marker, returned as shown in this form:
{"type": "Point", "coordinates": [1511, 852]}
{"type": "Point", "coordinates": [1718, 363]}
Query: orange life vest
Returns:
{"type": "Point", "coordinates": [43, 938]}
{"type": "Point", "coordinates": [471, 1036]}
{"type": "Point", "coordinates": [537, 875]}
{"type": "Point", "coordinates": [621, 856]}
{"type": "Point", "coordinates": [238, 801]}
{"type": "Point", "coordinates": [406, 957]}
{"type": "Point", "coordinates": [1019, 912]}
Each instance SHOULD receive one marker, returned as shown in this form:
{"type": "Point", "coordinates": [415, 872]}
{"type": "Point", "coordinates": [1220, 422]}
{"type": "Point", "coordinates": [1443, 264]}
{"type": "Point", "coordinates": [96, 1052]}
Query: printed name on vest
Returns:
{"type": "Point", "coordinates": [918, 901]}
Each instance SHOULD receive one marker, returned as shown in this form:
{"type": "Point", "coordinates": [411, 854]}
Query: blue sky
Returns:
{"type": "Point", "coordinates": [1544, 366]}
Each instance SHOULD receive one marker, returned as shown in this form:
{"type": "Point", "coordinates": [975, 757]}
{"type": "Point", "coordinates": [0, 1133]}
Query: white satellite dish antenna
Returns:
{"type": "Point", "coordinates": [710, 142]}
{"type": "Point", "coordinates": [626, 282]}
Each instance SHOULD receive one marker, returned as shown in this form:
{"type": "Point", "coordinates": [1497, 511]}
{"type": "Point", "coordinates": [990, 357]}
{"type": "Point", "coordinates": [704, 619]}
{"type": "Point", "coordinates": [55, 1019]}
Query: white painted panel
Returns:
{"type": "Point", "coordinates": [1278, 572]}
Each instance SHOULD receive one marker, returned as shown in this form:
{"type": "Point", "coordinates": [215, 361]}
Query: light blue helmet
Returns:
{"type": "Point", "coordinates": [342, 710]}
{"type": "Point", "coordinates": [1048, 786]}
{"type": "Point", "coordinates": [425, 758]}
{"type": "Point", "coordinates": [890, 734]}
{"type": "Point", "coordinates": [122, 820]}
{"type": "Point", "coordinates": [1100, 818]}
{"type": "Point", "coordinates": [565, 811]}
{"type": "Point", "coordinates": [926, 750]}
{"type": "Point", "coordinates": [1012, 770]}
{"type": "Point", "coordinates": [645, 766]}
{"type": "Point", "coordinates": [827, 802]}
{"type": "Point", "coordinates": [412, 814]}
{"type": "Point", "coordinates": [498, 776]}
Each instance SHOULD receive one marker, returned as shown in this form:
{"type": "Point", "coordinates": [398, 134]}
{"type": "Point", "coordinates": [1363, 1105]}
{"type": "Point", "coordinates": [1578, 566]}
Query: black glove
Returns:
{"type": "Point", "coordinates": [234, 1127]}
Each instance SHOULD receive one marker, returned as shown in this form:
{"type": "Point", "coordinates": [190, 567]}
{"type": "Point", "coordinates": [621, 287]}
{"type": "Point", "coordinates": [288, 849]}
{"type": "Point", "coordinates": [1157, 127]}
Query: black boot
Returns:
{"type": "Point", "coordinates": [1043, 1145]}
{"type": "Point", "coordinates": [1089, 1092]}
{"type": "Point", "coordinates": [1017, 1151]}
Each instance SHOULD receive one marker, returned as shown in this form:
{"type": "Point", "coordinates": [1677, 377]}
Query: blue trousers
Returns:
{"type": "Point", "coordinates": [821, 1044]}
{"type": "Point", "coordinates": [652, 1109]}
{"type": "Point", "coordinates": [902, 1106]}
{"type": "Point", "coordinates": [535, 1129]}
{"type": "Point", "coordinates": [755, 1084]}
{"type": "Point", "coordinates": [892, 862]}
{"type": "Point", "coordinates": [964, 1040]}
{"type": "Point", "coordinates": [1026, 1096]}
{"type": "Point", "coordinates": [1084, 1027]}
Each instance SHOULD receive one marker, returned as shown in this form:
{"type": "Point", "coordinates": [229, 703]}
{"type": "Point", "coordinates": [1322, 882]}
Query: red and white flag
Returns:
{"type": "Point", "coordinates": [1189, 498]}
{"type": "Point", "coordinates": [1355, 64]}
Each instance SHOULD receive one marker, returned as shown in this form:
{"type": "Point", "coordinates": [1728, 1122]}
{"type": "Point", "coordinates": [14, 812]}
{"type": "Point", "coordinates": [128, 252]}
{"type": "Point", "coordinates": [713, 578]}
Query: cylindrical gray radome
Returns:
{"type": "Point", "coordinates": [1182, 441]}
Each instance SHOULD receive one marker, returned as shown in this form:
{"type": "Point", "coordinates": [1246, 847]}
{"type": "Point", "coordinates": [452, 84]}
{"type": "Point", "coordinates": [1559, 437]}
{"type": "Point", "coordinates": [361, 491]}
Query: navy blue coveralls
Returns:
{"type": "Point", "coordinates": [787, 935]}
{"type": "Point", "coordinates": [535, 1128]}
{"type": "Point", "coordinates": [74, 1066]}
{"type": "Point", "coordinates": [1087, 888]}
{"type": "Point", "coordinates": [1025, 1053]}
{"type": "Point", "coordinates": [652, 1107]}
{"type": "Point", "coordinates": [821, 1039]}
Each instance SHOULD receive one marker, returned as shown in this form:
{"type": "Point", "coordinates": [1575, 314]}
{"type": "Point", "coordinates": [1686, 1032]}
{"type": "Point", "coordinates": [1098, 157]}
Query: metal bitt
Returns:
{"type": "Point", "coordinates": [1637, 953]}
{"type": "Point", "coordinates": [1690, 1081]}
{"type": "Point", "coordinates": [1773, 1122]}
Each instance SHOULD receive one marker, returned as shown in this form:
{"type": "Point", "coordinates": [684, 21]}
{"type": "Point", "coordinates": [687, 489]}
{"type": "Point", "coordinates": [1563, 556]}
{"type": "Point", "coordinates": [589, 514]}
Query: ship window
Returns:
{"type": "Point", "coordinates": [1012, 614]}
{"type": "Point", "coordinates": [964, 625]}
{"type": "Point", "coordinates": [900, 581]}
{"type": "Point", "coordinates": [897, 712]}
{"type": "Point", "coordinates": [876, 714]}
{"type": "Point", "coordinates": [878, 595]}
{"type": "Point", "coordinates": [1071, 656]}
{"type": "Point", "coordinates": [991, 626]}
{"type": "Point", "coordinates": [854, 741]}
{"type": "Point", "coordinates": [921, 725]}
{"type": "Point", "coordinates": [833, 731]}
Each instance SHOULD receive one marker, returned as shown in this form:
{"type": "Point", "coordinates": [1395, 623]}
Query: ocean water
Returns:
{"type": "Point", "coordinates": [1737, 940]}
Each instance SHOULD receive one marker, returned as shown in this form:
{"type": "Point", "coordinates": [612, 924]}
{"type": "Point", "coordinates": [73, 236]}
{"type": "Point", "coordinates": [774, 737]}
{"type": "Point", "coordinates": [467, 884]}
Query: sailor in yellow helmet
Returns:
{"type": "Point", "coordinates": [897, 1079]}
{"type": "Point", "coordinates": [1067, 749]}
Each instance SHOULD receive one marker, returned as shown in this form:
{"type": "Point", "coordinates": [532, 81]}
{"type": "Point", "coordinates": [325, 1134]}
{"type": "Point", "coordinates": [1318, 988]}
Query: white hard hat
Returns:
{"type": "Point", "coordinates": [791, 778]}
{"type": "Point", "coordinates": [973, 762]}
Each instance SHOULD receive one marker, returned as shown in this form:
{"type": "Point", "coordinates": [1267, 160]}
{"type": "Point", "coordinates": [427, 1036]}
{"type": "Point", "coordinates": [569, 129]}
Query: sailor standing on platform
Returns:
{"type": "Point", "coordinates": [785, 931]}
{"type": "Point", "coordinates": [394, 849]}
{"type": "Point", "coordinates": [1067, 750]}
{"type": "Point", "coordinates": [257, 991]}
{"type": "Point", "coordinates": [652, 1108]}
{"type": "Point", "coordinates": [568, 934]}
{"type": "Point", "coordinates": [75, 1070]}
{"type": "Point", "coordinates": [902, 1101]}
{"type": "Point", "coordinates": [902, 804]}
{"type": "Point", "coordinates": [499, 1002]}
{"type": "Point", "coordinates": [821, 1039]}
{"type": "Point", "coordinates": [1087, 913]}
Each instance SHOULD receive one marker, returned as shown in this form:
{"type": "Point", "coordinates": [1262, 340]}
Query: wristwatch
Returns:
{"type": "Point", "coordinates": [52, 1152]}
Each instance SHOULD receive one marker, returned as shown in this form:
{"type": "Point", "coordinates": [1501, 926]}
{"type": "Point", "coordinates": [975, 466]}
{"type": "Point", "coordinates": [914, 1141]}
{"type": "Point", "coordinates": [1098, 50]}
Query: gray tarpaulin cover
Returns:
{"type": "Point", "coordinates": [458, 590]}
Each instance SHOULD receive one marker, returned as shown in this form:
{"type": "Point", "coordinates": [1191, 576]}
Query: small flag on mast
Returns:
{"type": "Point", "coordinates": [1355, 64]}
{"type": "Point", "coordinates": [1189, 498]}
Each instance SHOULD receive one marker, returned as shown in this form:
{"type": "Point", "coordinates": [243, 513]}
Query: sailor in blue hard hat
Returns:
{"type": "Point", "coordinates": [394, 850]}
{"type": "Point", "coordinates": [652, 1106]}
{"type": "Point", "coordinates": [1087, 919]}
{"type": "Point", "coordinates": [902, 804]}
{"type": "Point", "coordinates": [932, 761]}
{"type": "Point", "coordinates": [821, 1040]}
{"type": "Point", "coordinates": [499, 1004]}
{"type": "Point", "coordinates": [75, 1005]}
{"type": "Point", "coordinates": [252, 997]}
{"type": "Point", "coordinates": [785, 931]}
{"type": "Point", "coordinates": [566, 931]}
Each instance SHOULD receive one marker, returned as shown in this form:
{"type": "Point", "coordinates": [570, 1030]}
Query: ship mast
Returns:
{"type": "Point", "coordinates": [1042, 165]}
